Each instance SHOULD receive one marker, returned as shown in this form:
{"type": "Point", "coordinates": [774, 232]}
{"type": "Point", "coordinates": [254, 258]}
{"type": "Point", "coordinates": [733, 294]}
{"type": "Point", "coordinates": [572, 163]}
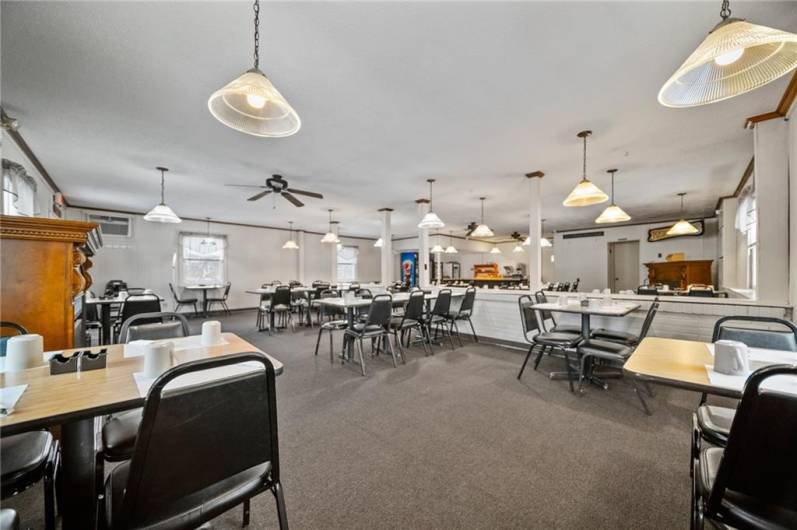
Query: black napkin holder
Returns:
{"type": "Point", "coordinates": [85, 360]}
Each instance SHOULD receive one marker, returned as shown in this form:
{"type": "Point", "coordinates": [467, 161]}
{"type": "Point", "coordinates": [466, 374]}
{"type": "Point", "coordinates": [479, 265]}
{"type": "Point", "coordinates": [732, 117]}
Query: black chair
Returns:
{"type": "Point", "coordinates": [135, 305]}
{"type": "Point", "coordinates": [193, 462]}
{"type": "Point", "coordinates": [752, 482]}
{"type": "Point", "coordinates": [113, 287]}
{"type": "Point", "coordinates": [540, 297]}
{"type": "Point", "coordinates": [222, 301]}
{"type": "Point", "coordinates": [263, 307]}
{"type": "Point", "coordinates": [27, 459]}
{"type": "Point", "coordinates": [329, 326]}
{"type": "Point", "coordinates": [412, 318]}
{"type": "Point", "coordinates": [439, 317]}
{"type": "Point", "coordinates": [281, 306]}
{"type": "Point", "coordinates": [180, 302]}
{"type": "Point", "coordinates": [375, 326]}
{"type": "Point", "coordinates": [574, 287]}
{"type": "Point", "coordinates": [614, 354]}
{"type": "Point", "coordinates": [544, 340]}
{"type": "Point", "coordinates": [464, 312]}
{"type": "Point", "coordinates": [18, 330]}
{"type": "Point", "coordinates": [628, 339]}
{"type": "Point", "coordinates": [713, 423]}
{"type": "Point", "coordinates": [704, 292]}
{"type": "Point", "coordinates": [119, 431]}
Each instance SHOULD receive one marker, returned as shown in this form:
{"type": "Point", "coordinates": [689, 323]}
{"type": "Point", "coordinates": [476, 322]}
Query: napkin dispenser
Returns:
{"type": "Point", "coordinates": [730, 358]}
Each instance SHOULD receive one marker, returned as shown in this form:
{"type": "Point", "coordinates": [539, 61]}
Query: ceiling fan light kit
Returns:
{"type": "Point", "coordinates": [161, 213]}
{"type": "Point", "coordinates": [251, 104]}
{"type": "Point", "coordinates": [736, 57]}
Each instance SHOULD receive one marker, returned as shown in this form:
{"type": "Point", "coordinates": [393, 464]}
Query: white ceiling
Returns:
{"type": "Point", "coordinates": [473, 94]}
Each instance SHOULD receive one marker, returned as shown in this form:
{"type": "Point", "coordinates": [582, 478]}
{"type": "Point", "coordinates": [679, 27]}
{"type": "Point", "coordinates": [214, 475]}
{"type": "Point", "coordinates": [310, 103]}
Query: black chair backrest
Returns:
{"type": "Point", "coordinates": [20, 330]}
{"type": "Point", "coordinates": [704, 293]}
{"type": "Point", "coordinates": [353, 286]}
{"type": "Point", "coordinates": [174, 293]}
{"type": "Point", "coordinates": [574, 287]}
{"type": "Point", "coordinates": [647, 290]}
{"type": "Point", "coordinates": [282, 296]}
{"type": "Point", "coordinates": [227, 290]}
{"type": "Point", "coordinates": [177, 454]}
{"type": "Point", "coordinates": [528, 317]}
{"type": "Point", "coordinates": [442, 305]}
{"type": "Point", "coordinates": [112, 287]}
{"type": "Point", "coordinates": [652, 310]}
{"type": "Point", "coordinates": [542, 299]}
{"type": "Point", "coordinates": [758, 461]}
{"type": "Point", "coordinates": [364, 293]}
{"type": "Point", "coordinates": [380, 311]}
{"type": "Point", "coordinates": [414, 308]}
{"type": "Point", "coordinates": [137, 304]}
{"type": "Point", "coordinates": [466, 307]}
{"type": "Point", "coordinates": [758, 338]}
{"type": "Point", "coordinates": [165, 326]}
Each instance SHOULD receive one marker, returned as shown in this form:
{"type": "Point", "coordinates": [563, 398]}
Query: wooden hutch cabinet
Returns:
{"type": "Point", "coordinates": [44, 272]}
{"type": "Point", "coordinates": [680, 274]}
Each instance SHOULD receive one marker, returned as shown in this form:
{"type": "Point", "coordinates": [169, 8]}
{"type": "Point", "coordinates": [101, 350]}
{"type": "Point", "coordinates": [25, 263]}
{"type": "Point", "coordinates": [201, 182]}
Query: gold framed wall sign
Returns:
{"type": "Point", "coordinates": [660, 233]}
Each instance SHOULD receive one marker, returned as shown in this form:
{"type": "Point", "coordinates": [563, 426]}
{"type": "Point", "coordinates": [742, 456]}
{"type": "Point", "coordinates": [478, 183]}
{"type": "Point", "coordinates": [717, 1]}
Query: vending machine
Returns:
{"type": "Point", "coordinates": [409, 268]}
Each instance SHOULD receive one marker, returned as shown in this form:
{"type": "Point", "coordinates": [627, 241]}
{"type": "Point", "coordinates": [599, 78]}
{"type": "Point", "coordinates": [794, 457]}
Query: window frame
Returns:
{"type": "Point", "coordinates": [183, 260]}
{"type": "Point", "coordinates": [355, 264]}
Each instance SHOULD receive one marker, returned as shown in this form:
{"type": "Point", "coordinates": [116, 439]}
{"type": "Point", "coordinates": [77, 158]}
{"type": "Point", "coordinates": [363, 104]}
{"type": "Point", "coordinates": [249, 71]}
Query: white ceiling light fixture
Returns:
{"type": "Point", "coordinates": [682, 227]}
{"type": "Point", "coordinates": [379, 243]}
{"type": "Point", "coordinates": [585, 193]}
{"type": "Point", "coordinates": [518, 249]}
{"type": "Point", "coordinates": [482, 230]}
{"type": "Point", "coordinates": [330, 236]}
{"type": "Point", "coordinates": [437, 249]}
{"type": "Point", "coordinates": [450, 249]}
{"type": "Point", "coordinates": [161, 213]}
{"type": "Point", "coordinates": [495, 250]}
{"type": "Point", "coordinates": [736, 57]}
{"type": "Point", "coordinates": [544, 241]}
{"type": "Point", "coordinates": [612, 213]}
{"type": "Point", "coordinates": [431, 220]}
{"type": "Point", "coordinates": [251, 104]}
{"type": "Point", "coordinates": [290, 244]}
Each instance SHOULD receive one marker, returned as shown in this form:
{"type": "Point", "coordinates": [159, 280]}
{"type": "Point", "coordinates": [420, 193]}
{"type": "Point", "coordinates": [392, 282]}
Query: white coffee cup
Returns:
{"type": "Point", "coordinates": [730, 357]}
{"type": "Point", "coordinates": [211, 333]}
{"type": "Point", "coordinates": [158, 358]}
{"type": "Point", "coordinates": [23, 352]}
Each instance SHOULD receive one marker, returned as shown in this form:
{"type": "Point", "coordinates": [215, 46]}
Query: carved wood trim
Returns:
{"type": "Point", "coordinates": [42, 229]}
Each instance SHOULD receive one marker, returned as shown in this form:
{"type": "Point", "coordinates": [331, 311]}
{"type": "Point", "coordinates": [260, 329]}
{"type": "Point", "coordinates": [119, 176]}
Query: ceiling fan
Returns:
{"type": "Point", "coordinates": [470, 228]}
{"type": "Point", "coordinates": [277, 184]}
{"type": "Point", "coordinates": [517, 235]}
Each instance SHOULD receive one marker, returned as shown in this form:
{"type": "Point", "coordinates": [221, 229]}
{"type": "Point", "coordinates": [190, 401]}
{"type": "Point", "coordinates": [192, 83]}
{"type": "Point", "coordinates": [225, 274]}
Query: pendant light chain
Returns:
{"type": "Point", "coordinates": [482, 199]}
{"type": "Point", "coordinates": [163, 186]}
{"type": "Point", "coordinates": [584, 167]}
{"type": "Point", "coordinates": [256, 8]}
{"type": "Point", "coordinates": [725, 12]}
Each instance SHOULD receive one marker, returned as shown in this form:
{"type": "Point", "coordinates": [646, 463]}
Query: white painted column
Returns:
{"type": "Point", "coordinates": [535, 230]}
{"type": "Point", "coordinates": [300, 256]}
{"type": "Point", "coordinates": [771, 173]}
{"type": "Point", "coordinates": [728, 242]}
{"type": "Point", "coordinates": [333, 255]}
{"type": "Point", "coordinates": [438, 265]}
{"type": "Point", "coordinates": [387, 247]}
{"type": "Point", "coordinates": [423, 246]}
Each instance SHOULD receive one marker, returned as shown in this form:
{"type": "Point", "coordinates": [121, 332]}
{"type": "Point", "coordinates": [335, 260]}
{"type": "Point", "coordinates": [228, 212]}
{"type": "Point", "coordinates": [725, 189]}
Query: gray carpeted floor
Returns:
{"type": "Point", "coordinates": [456, 441]}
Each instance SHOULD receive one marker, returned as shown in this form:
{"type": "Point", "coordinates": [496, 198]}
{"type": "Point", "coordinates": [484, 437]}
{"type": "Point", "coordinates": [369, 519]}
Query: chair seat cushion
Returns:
{"type": "Point", "coordinates": [9, 520]}
{"type": "Point", "coordinates": [403, 323]}
{"type": "Point", "coordinates": [190, 511]}
{"type": "Point", "coordinates": [23, 457]}
{"type": "Point", "coordinates": [709, 464]}
{"type": "Point", "coordinates": [119, 435]}
{"type": "Point", "coordinates": [335, 324]}
{"type": "Point", "coordinates": [604, 349]}
{"type": "Point", "coordinates": [615, 336]}
{"type": "Point", "coordinates": [281, 307]}
{"type": "Point", "coordinates": [553, 338]}
{"type": "Point", "coordinates": [361, 327]}
{"type": "Point", "coordinates": [715, 423]}
{"type": "Point", "coordinates": [187, 300]}
{"type": "Point", "coordinates": [564, 328]}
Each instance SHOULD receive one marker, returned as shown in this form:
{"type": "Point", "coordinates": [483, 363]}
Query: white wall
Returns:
{"type": "Point", "coordinates": [254, 256]}
{"type": "Point", "coordinates": [588, 258]}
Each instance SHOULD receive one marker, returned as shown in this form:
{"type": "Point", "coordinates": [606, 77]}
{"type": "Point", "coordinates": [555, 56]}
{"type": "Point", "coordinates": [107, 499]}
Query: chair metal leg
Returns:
{"type": "Point", "coordinates": [331, 348]}
{"type": "Point", "coordinates": [475, 337]}
{"type": "Point", "coordinates": [569, 370]}
{"type": "Point", "coordinates": [581, 371]}
{"type": "Point", "coordinates": [426, 347]}
{"type": "Point", "coordinates": [362, 359]}
{"type": "Point", "coordinates": [648, 388]}
{"type": "Point", "coordinates": [400, 349]}
{"type": "Point", "coordinates": [450, 334]}
{"type": "Point", "coordinates": [640, 396]}
{"type": "Point", "coordinates": [282, 514]}
{"type": "Point", "coordinates": [539, 357]}
{"type": "Point", "coordinates": [389, 346]}
{"type": "Point", "coordinates": [459, 337]}
{"type": "Point", "coordinates": [318, 341]}
{"type": "Point", "coordinates": [246, 506]}
{"type": "Point", "coordinates": [526, 360]}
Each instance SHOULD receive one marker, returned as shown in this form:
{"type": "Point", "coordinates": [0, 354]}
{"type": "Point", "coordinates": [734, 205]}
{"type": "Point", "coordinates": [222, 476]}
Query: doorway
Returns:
{"type": "Point", "coordinates": [623, 265]}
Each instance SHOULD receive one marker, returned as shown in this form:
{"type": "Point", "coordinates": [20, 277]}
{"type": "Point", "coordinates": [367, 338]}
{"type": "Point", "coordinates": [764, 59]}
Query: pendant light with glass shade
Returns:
{"type": "Point", "coordinates": [208, 244]}
{"type": "Point", "coordinates": [161, 213]}
{"type": "Point", "coordinates": [482, 230]}
{"type": "Point", "coordinates": [544, 242]}
{"type": "Point", "coordinates": [495, 250]}
{"type": "Point", "coordinates": [431, 220]}
{"type": "Point", "coordinates": [736, 57]}
{"type": "Point", "coordinates": [250, 103]}
{"type": "Point", "coordinates": [585, 193]}
{"type": "Point", "coordinates": [330, 236]}
{"type": "Point", "coordinates": [518, 248]}
{"type": "Point", "coordinates": [290, 244]}
{"type": "Point", "coordinates": [612, 213]}
{"type": "Point", "coordinates": [682, 227]}
{"type": "Point", "coordinates": [437, 249]}
{"type": "Point", "coordinates": [379, 243]}
{"type": "Point", "coordinates": [450, 249]}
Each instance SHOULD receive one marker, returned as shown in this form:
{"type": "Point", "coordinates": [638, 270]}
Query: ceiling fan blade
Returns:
{"type": "Point", "coordinates": [243, 186]}
{"type": "Point", "coordinates": [308, 193]}
{"type": "Point", "coordinates": [291, 198]}
{"type": "Point", "coordinates": [259, 195]}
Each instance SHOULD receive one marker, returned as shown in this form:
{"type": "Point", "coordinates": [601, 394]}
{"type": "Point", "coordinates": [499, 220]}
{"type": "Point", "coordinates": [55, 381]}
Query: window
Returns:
{"type": "Point", "coordinates": [347, 263]}
{"type": "Point", "coordinates": [747, 224]}
{"type": "Point", "coordinates": [203, 259]}
{"type": "Point", "coordinates": [19, 190]}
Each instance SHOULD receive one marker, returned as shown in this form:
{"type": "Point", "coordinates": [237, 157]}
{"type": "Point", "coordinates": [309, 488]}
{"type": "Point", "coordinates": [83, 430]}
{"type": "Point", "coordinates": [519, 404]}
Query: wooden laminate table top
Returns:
{"type": "Point", "coordinates": [616, 309]}
{"type": "Point", "coordinates": [54, 399]}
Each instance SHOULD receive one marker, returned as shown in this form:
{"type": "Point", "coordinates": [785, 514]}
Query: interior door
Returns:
{"type": "Point", "coordinates": [623, 265]}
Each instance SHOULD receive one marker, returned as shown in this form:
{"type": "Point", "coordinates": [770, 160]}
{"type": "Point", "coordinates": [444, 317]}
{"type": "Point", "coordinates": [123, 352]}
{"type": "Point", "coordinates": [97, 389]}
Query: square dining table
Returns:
{"type": "Point", "coordinates": [613, 309]}
{"type": "Point", "coordinates": [77, 401]}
